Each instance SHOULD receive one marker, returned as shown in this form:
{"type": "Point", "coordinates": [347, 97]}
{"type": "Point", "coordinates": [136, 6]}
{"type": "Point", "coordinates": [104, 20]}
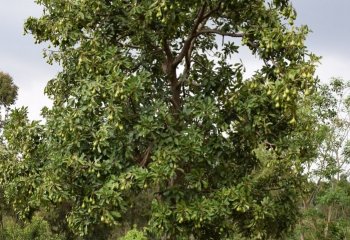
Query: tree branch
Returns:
{"type": "Point", "coordinates": [200, 18]}
{"type": "Point", "coordinates": [209, 13]}
{"type": "Point", "coordinates": [188, 49]}
{"type": "Point", "coordinates": [216, 31]}
{"type": "Point", "coordinates": [146, 155]}
{"type": "Point", "coordinates": [167, 64]}
{"type": "Point", "coordinates": [167, 50]}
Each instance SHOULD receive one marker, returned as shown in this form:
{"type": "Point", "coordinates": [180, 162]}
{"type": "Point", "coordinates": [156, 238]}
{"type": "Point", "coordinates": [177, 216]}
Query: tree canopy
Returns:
{"type": "Point", "coordinates": [8, 90]}
{"type": "Point", "coordinates": [154, 124]}
{"type": "Point", "coordinates": [8, 94]}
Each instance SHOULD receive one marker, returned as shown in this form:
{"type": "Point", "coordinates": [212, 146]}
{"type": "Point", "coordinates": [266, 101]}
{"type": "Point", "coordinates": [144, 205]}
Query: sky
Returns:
{"type": "Point", "coordinates": [23, 60]}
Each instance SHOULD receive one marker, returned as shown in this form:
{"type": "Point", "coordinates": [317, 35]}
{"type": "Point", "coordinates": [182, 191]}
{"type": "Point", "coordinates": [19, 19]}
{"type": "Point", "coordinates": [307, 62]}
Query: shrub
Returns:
{"type": "Point", "coordinates": [37, 229]}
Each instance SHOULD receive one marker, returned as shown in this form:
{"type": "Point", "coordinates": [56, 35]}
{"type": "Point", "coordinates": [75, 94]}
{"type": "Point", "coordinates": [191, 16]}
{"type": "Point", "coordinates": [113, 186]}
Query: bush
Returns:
{"type": "Point", "coordinates": [134, 234]}
{"type": "Point", "coordinates": [37, 229]}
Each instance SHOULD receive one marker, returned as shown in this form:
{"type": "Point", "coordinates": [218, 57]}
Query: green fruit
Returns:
{"type": "Point", "coordinates": [293, 121]}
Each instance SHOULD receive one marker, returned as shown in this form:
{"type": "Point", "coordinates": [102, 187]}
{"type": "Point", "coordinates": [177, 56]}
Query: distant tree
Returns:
{"type": "Point", "coordinates": [153, 123]}
{"type": "Point", "coordinates": [8, 92]}
{"type": "Point", "coordinates": [8, 96]}
{"type": "Point", "coordinates": [326, 201]}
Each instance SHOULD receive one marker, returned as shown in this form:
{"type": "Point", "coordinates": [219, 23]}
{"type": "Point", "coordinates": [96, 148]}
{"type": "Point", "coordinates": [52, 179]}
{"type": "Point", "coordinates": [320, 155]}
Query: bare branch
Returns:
{"type": "Point", "coordinates": [187, 69]}
{"type": "Point", "coordinates": [200, 18]}
{"type": "Point", "coordinates": [167, 50]}
{"type": "Point", "coordinates": [146, 155]}
{"type": "Point", "coordinates": [209, 13]}
{"type": "Point", "coordinates": [216, 31]}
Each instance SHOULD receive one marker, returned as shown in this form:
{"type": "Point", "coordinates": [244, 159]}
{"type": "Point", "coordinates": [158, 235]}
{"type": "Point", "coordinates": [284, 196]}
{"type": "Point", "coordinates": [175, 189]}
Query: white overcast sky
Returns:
{"type": "Point", "coordinates": [22, 59]}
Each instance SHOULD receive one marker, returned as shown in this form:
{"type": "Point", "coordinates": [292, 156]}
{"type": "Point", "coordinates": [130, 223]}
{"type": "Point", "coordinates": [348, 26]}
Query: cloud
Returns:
{"type": "Point", "coordinates": [333, 66]}
{"type": "Point", "coordinates": [329, 22]}
{"type": "Point", "coordinates": [31, 78]}
{"type": "Point", "coordinates": [330, 36]}
{"type": "Point", "coordinates": [21, 58]}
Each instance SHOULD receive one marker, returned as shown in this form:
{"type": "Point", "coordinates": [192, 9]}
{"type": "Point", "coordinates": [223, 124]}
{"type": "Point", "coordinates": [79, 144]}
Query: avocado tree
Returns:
{"type": "Point", "coordinates": [154, 124]}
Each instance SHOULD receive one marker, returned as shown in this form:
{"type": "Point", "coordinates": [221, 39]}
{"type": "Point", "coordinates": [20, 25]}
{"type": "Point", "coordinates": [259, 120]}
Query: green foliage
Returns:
{"type": "Point", "coordinates": [134, 234]}
{"type": "Point", "coordinates": [37, 229]}
{"type": "Point", "coordinates": [142, 107]}
{"type": "Point", "coordinates": [327, 216]}
{"type": "Point", "coordinates": [22, 162]}
{"type": "Point", "coordinates": [8, 96]}
{"type": "Point", "coordinates": [325, 204]}
{"type": "Point", "coordinates": [8, 90]}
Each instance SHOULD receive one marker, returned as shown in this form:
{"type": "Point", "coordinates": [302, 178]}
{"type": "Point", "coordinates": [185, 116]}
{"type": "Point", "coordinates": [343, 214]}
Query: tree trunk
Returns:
{"type": "Point", "coordinates": [329, 218]}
